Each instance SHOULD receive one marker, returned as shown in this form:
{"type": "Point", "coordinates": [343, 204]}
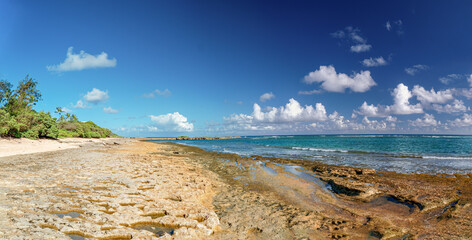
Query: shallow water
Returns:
{"type": "Point", "coordinates": [159, 231]}
{"type": "Point", "coordinates": [70, 214]}
{"type": "Point", "coordinates": [75, 237]}
{"type": "Point", "coordinates": [401, 153]}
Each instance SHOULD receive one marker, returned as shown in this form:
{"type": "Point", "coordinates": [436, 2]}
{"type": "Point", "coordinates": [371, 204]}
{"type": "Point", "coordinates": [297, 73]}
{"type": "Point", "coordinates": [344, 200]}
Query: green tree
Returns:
{"type": "Point", "coordinates": [5, 91]}
{"type": "Point", "coordinates": [25, 96]}
{"type": "Point", "coordinates": [59, 111]}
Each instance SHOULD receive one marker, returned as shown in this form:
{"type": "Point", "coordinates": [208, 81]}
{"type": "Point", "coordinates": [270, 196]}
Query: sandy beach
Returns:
{"type": "Point", "coordinates": [130, 189]}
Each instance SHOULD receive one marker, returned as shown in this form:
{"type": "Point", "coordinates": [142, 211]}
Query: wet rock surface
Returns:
{"type": "Point", "coordinates": [311, 200]}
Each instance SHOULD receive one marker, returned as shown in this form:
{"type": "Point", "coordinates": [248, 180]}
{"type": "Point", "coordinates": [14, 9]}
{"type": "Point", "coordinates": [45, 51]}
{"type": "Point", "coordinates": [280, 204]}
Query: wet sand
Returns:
{"type": "Point", "coordinates": [125, 189]}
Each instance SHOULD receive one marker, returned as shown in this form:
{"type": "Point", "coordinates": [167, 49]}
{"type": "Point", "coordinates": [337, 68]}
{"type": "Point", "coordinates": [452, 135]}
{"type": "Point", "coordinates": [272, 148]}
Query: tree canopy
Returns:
{"type": "Point", "coordinates": [19, 119]}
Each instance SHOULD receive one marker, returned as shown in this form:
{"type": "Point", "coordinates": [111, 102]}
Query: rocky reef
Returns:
{"type": "Point", "coordinates": [128, 189]}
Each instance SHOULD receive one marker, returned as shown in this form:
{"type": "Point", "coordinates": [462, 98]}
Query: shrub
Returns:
{"type": "Point", "coordinates": [18, 119]}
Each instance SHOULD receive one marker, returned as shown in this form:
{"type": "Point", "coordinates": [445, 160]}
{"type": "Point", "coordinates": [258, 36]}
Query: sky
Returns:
{"type": "Point", "coordinates": [214, 68]}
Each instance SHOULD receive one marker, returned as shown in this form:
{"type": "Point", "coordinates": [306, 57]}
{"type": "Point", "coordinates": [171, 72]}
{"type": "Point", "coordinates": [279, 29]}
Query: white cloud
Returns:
{"type": "Point", "coordinates": [455, 107]}
{"type": "Point", "coordinates": [353, 35]}
{"type": "Point", "coordinates": [388, 26]}
{"type": "Point", "coordinates": [80, 104]}
{"type": "Point", "coordinates": [427, 121]}
{"type": "Point", "coordinates": [266, 97]}
{"type": "Point", "coordinates": [450, 78]}
{"type": "Point", "coordinates": [172, 122]}
{"type": "Point", "coordinates": [374, 62]}
{"type": "Point", "coordinates": [465, 121]}
{"type": "Point", "coordinates": [291, 112]}
{"type": "Point", "coordinates": [469, 79]}
{"type": "Point", "coordinates": [401, 105]}
{"type": "Point", "coordinates": [165, 93]}
{"type": "Point", "coordinates": [391, 119]}
{"type": "Point", "coordinates": [463, 92]}
{"type": "Point", "coordinates": [83, 60]}
{"type": "Point", "coordinates": [338, 34]}
{"type": "Point", "coordinates": [315, 91]}
{"type": "Point", "coordinates": [294, 118]}
{"type": "Point", "coordinates": [96, 96]}
{"type": "Point", "coordinates": [428, 97]}
{"type": "Point", "coordinates": [371, 110]}
{"type": "Point", "coordinates": [361, 48]}
{"type": "Point", "coordinates": [289, 117]}
{"type": "Point", "coordinates": [413, 70]}
{"type": "Point", "coordinates": [334, 82]}
{"type": "Point", "coordinates": [397, 25]}
{"type": "Point", "coordinates": [66, 110]}
{"type": "Point", "coordinates": [374, 124]}
{"type": "Point", "coordinates": [110, 110]}
{"type": "Point", "coordinates": [152, 128]}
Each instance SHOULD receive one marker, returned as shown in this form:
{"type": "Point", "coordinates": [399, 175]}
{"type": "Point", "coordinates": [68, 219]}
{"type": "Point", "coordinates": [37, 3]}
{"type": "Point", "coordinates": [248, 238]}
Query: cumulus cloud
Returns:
{"type": "Point", "coordinates": [401, 101]}
{"type": "Point", "coordinates": [450, 78]}
{"type": "Point", "coordinates": [334, 82]}
{"type": "Point", "coordinates": [428, 120]}
{"type": "Point", "coordinates": [80, 104]}
{"type": "Point", "coordinates": [266, 97]}
{"type": "Point", "coordinates": [413, 70]}
{"type": "Point", "coordinates": [66, 110]}
{"type": "Point", "coordinates": [354, 37]}
{"type": "Point", "coordinates": [110, 110]}
{"type": "Point", "coordinates": [467, 93]}
{"type": "Point", "coordinates": [374, 62]}
{"type": "Point", "coordinates": [469, 79]}
{"type": "Point", "coordinates": [165, 93]}
{"type": "Point", "coordinates": [292, 112]}
{"type": "Point", "coordinates": [291, 117]}
{"type": "Point", "coordinates": [172, 122]}
{"type": "Point", "coordinates": [401, 105]}
{"type": "Point", "coordinates": [96, 96]}
{"type": "Point", "coordinates": [391, 119]}
{"type": "Point", "coordinates": [455, 107]}
{"type": "Point", "coordinates": [464, 121]}
{"type": "Point", "coordinates": [371, 110]}
{"type": "Point", "coordinates": [374, 124]}
{"type": "Point", "coordinates": [82, 60]}
{"type": "Point", "coordinates": [427, 97]}
{"type": "Point", "coordinates": [361, 48]}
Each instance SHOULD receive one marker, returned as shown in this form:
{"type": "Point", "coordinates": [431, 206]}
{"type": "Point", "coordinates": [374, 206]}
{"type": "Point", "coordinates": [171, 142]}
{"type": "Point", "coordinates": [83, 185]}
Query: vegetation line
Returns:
{"type": "Point", "coordinates": [18, 118]}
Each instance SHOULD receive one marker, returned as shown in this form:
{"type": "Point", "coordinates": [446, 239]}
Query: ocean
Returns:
{"type": "Point", "coordinates": [401, 153]}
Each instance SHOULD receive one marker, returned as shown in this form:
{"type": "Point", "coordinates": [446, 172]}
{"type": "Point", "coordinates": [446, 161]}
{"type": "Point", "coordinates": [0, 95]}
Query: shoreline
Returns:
{"type": "Point", "coordinates": [19, 146]}
{"type": "Point", "coordinates": [144, 190]}
{"type": "Point", "coordinates": [184, 138]}
{"type": "Point", "coordinates": [376, 197]}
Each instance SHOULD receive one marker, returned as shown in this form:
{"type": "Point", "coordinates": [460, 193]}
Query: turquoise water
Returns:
{"type": "Point", "coordinates": [401, 153]}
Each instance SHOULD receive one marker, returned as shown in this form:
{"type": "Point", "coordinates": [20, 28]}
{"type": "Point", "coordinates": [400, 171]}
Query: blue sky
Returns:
{"type": "Point", "coordinates": [166, 68]}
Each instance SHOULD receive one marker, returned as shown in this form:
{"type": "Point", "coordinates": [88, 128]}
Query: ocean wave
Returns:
{"type": "Point", "coordinates": [447, 157]}
{"type": "Point", "coordinates": [319, 149]}
{"type": "Point", "coordinates": [265, 137]}
{"type": "Point", "coordinates": [443, 136]}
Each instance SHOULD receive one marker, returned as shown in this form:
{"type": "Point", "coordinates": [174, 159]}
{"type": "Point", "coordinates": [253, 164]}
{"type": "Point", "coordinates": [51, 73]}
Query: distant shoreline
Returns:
{"type": "Point", "coordinates": [184, 138]}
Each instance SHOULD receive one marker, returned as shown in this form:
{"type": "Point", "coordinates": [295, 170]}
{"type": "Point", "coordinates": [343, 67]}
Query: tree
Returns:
{"type": "Point", "coordinates": [25, 96]}
{"type": "Point", "coordinates": [5, 91]}
{"type": "Point", "coordinates": [59, 111]}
